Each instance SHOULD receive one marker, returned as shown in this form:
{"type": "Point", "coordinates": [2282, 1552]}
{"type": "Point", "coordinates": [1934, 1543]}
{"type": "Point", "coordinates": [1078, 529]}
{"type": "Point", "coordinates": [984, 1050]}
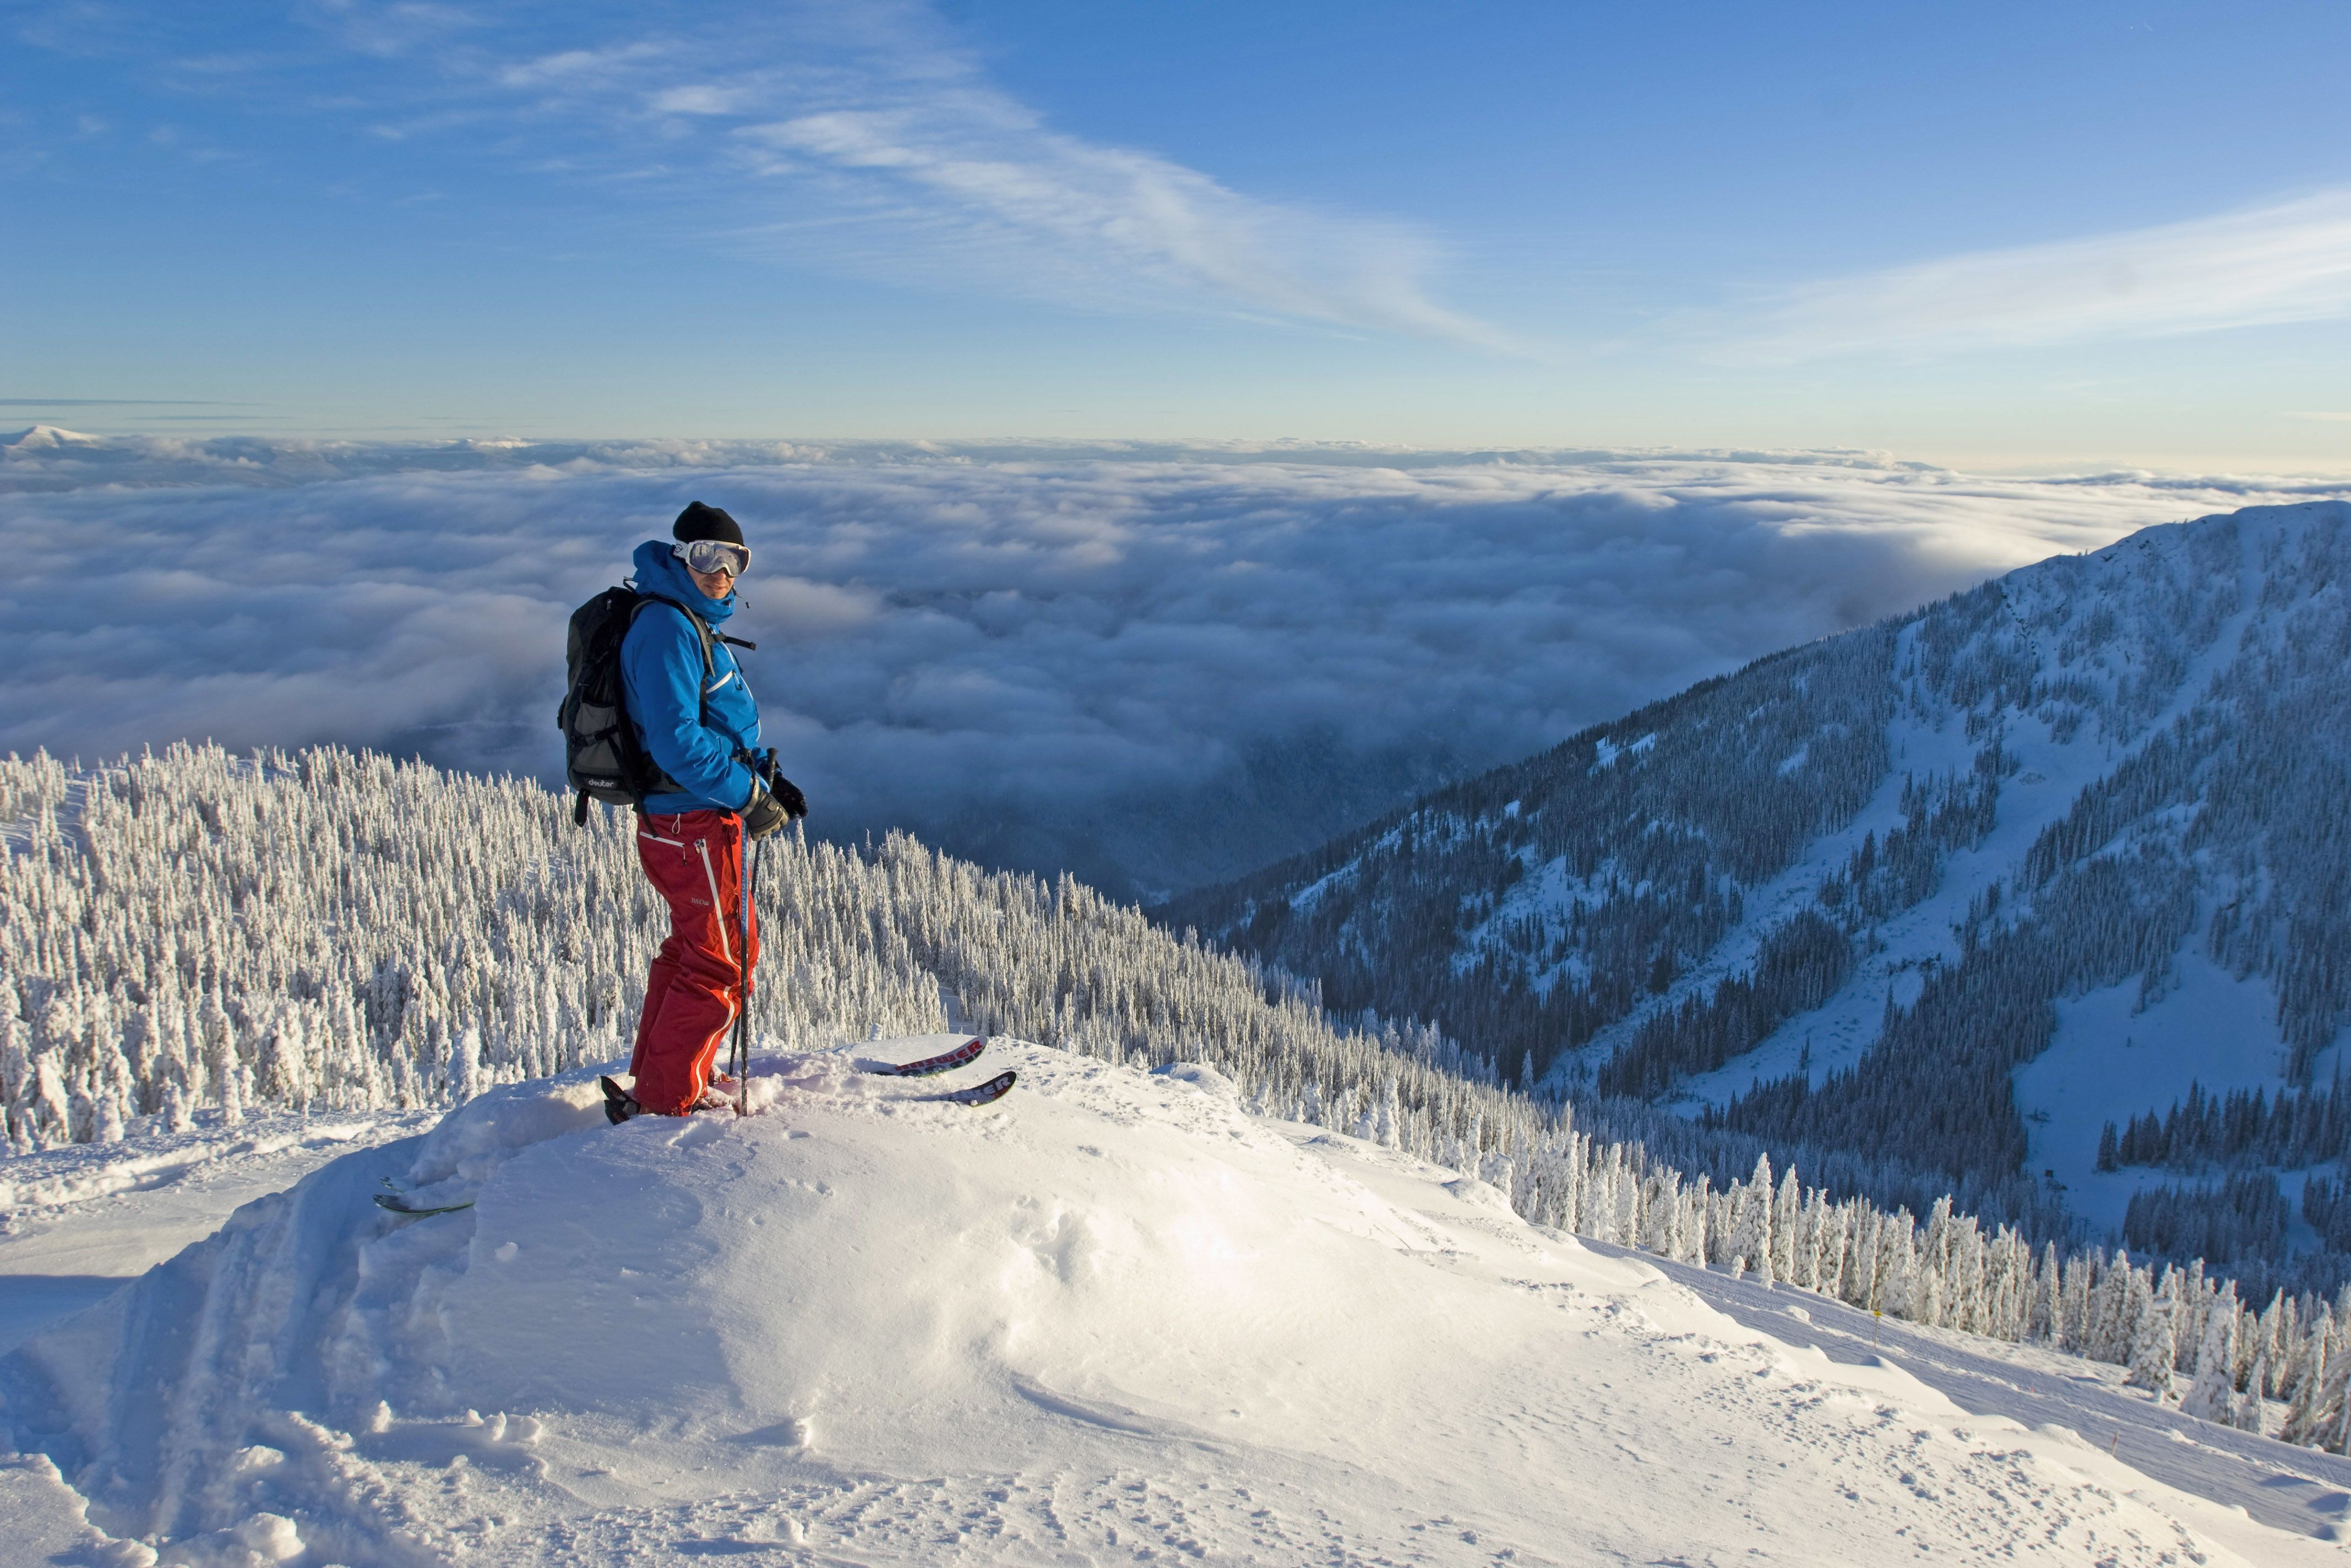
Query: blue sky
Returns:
{"type": "Point", "coordinates": [1992, 235]}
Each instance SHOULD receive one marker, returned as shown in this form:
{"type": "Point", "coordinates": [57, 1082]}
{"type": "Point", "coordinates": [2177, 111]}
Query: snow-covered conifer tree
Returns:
{"type": "Point", "coordinates": [1828, 1266]}
{"type": "Point", "coordinates": [2212, 1395]}
{"type": "Point", "coordinates": [2307, 1401]}
{"type": "Point", "coordinates": [2151, 1339]}
{"type": "Point", "coordinates": [2248, 1416]}
{"type": "Point", "coordinates": [1898, 1268]}
{"type": "Point", "coordinates": [1787, 1217]}
{"type": "Point", "coordinates": [465, 1077]}
{"type": "Point", "coordinates": [1750, 1243]}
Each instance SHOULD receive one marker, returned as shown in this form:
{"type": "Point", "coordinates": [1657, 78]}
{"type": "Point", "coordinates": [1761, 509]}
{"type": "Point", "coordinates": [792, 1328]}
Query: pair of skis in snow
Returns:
{"type": "Point", "coordinates": [619, 1106]}
{"type": "Point", "coordinates": [617, 1098]}
{"type": "Point", "coordinates": [963, 1055]}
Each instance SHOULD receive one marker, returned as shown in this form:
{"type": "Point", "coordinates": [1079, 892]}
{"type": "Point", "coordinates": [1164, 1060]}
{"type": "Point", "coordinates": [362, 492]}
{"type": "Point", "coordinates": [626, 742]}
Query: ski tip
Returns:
{"type": "Point", "coordinates": [946, 1062]}
{"type": "Point", "coordinates": [986, 1094]}
{"type": "Point", "coordinates": [393, 1204]}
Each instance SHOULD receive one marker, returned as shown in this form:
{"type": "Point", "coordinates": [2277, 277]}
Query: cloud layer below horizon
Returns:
{"type": "Point", "coordinates": [1138, 665]}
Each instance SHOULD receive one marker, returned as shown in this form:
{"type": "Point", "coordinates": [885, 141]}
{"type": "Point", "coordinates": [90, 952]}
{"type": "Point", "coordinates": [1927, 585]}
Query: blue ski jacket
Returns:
{"type": "Point", "coordinates": [661, 667]}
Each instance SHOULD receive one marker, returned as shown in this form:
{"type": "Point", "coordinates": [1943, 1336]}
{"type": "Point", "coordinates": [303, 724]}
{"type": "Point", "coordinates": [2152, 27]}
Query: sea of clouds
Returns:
{"type": "Point", "coordinates": [1153, 666]}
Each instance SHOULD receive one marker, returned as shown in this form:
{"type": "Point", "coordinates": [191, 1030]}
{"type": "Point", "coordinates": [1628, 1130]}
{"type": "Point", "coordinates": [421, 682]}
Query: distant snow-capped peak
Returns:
{"type": "Point", "coordinates": [47, 437]}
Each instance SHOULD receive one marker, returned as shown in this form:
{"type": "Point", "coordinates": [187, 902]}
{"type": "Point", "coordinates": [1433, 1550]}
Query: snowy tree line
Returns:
{"type": "Point", "coordinates": [1804, 961]}
{"type": "Point", "coordinates": [1938, 1082]}
{"type": "Point", "coordinates": [1656, 823]}
{"type": "Point", "coordinates": [1939, 815]}
{"type": "Point", "coordinates": [2326, 1204]}
{"type": "Point", "coordinates": [2243, 1217]}
{"type": "Point", "coordinates": [192, 933]}
{"type": "Point", "coordinates": [2297, 1128]}
{"type": "Point", "coordinates": [1802, 964]}
{"type": "Point", "coordinates": [2169, 1324]}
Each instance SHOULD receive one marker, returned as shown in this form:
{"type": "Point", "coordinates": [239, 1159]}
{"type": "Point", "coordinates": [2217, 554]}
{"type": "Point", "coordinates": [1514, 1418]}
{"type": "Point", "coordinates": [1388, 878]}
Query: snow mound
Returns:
{"type": "Point", "coordinates": [1111, 1318]}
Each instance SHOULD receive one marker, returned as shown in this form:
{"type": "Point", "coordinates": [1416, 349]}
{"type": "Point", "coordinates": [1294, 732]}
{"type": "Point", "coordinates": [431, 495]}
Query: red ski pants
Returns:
{"type": "Point", "coordinates": [695, 860]}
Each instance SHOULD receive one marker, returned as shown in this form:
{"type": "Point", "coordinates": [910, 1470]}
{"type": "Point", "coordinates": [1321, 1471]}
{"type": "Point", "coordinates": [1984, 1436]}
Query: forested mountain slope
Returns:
{"type": "Point", "coordinates": [2084, 821]}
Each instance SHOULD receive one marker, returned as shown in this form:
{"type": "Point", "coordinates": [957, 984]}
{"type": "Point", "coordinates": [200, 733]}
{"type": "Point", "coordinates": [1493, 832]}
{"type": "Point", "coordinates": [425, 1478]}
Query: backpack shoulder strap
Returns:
{"type": "Point", "coordinates": [702, 632]}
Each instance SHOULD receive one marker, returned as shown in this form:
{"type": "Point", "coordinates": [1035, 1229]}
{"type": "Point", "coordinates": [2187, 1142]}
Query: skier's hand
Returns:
{"type": "Point", "coordinates": [787, 795]}
{"type": "Point", "coordinates": [764, 813]}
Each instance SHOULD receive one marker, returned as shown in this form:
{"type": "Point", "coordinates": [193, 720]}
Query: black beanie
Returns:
{"type": "Point", "coordinates": [701, 522]}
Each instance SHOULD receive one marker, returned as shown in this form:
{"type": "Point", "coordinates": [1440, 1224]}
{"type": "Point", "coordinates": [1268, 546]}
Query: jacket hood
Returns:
{"type": "Point", "coordinates": [659, 572]}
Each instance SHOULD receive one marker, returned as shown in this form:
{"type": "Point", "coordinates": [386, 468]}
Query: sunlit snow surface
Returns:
{"type": "Point", "coordinates": [78, 1221]}
{"type": "Point", "coordinates": [1112, 1318]}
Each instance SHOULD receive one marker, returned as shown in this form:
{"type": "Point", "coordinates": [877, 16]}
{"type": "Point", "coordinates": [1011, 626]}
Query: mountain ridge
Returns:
{"type": "Point", "coordinates": [1763, 896]}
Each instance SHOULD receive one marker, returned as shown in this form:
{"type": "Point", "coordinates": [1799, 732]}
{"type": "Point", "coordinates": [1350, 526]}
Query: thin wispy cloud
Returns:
{"type": "Point", "coordinates": [871, 141]}
{"type": "Point", "coordinates": [2260, 266]}
{"type": "Point", "coordinates": [981, 177]}
{"type": "Point", "coordinates": [580, 67]}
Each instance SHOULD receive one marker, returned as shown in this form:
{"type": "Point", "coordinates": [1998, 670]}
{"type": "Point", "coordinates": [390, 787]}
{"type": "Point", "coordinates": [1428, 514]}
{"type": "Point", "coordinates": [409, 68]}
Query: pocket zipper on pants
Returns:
{"type": "Point", "coordinates": [726, 947]}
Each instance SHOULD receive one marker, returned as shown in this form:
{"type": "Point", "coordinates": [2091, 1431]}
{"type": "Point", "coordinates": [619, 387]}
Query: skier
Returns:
{"type": "Point", "coordinates": [700, 730]}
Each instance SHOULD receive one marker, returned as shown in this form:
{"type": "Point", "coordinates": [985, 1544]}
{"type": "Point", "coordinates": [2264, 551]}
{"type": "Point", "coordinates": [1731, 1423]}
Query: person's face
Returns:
{"type": "Point", "coordinates": [714, 584]}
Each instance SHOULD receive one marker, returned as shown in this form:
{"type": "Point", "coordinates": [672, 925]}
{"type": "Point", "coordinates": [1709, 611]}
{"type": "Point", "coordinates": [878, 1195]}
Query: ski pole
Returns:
{"type": "Point", "coordinates": [738, 1054]}
{"type": "Point", "coordinates": [742, 1053]}
{"type": "Point", "coordinates": [748, 882]}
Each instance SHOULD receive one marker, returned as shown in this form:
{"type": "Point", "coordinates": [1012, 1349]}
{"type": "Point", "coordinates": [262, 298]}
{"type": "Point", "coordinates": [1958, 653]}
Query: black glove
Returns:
{"type": "Point", "coordinates": [764, 813]}
{"type": "Point", "coordinates": [787, 793]}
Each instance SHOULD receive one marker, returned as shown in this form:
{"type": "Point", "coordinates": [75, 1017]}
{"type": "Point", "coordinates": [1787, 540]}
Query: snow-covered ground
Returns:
{"type": "Point", "coordinates": [76, 1222]}
{"type": "Point", "coordinates": [1112, 1318]}
{"type": "Point", "coordinates": [2305, 1491]}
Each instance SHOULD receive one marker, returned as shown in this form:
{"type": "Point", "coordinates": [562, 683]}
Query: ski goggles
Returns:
{"type": "Point", "coordinates": [713, 555]}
